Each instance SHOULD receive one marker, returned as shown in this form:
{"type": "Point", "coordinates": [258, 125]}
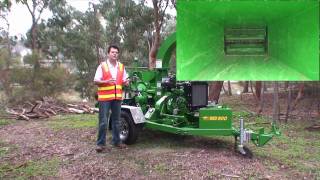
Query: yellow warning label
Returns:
{"type": "Point", "coordinates": [215, 118]}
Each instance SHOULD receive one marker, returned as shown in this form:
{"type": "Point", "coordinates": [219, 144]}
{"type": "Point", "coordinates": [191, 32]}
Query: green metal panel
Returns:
{"type": "Point", "coordinates": [215, 118]}
{"type": "Point", "coordinates": [292, 36]}
{"type": "Point", "coordinates": [165, 50]}
{"type": "Point", "coordinates": [190, 131]}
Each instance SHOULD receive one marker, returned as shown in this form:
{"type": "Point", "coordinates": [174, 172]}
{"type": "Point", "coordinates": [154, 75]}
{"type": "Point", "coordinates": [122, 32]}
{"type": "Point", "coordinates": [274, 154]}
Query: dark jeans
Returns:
{"type": "Point", "coordinates": [104, 110]}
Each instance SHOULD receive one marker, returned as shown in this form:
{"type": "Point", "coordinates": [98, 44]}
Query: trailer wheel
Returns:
{"type": "Point", "coordinates": [128, 130]}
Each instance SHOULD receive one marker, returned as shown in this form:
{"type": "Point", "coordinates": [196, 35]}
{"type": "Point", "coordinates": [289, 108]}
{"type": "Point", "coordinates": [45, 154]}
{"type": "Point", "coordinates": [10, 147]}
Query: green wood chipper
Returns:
{"type": "Point", "coordinates": [155, 100]}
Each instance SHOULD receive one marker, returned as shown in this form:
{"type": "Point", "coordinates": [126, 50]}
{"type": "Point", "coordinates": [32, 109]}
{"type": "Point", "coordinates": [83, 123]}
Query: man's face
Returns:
{"type": "Point", "coordinates": [113, 54]}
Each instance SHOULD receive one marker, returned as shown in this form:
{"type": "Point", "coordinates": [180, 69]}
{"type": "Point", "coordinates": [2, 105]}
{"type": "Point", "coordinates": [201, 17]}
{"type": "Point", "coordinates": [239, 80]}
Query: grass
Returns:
{"type": "Point", "coordinates": [296, 148]}
{"type": "Point", "coordinates": [4, 122]}
{"type": "Point", "coordinates": [161, 168]}
{"type": "Point", "coordinates": [4, 149]}
{"type": "Point", "coordinates": [30, 169]}
{"type": "Point", "coordinates": [73, 121]}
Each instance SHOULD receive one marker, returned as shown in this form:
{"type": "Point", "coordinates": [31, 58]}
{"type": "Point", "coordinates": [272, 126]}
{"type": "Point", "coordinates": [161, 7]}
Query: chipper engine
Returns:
{"type": "Point", "coordinates": [156, 100]}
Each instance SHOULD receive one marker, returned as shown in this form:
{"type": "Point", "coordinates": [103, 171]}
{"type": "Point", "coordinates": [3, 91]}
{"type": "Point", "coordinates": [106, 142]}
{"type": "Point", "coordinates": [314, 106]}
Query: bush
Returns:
{"type": "Point", "coordinates": [86, 87]}
{"type": "Point", "coordinates": [30, 85]}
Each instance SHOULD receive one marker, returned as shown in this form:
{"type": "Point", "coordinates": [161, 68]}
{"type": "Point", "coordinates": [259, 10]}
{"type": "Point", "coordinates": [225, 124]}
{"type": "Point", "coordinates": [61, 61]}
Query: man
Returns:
{"type": "Point", "coordinates": [110, 76]}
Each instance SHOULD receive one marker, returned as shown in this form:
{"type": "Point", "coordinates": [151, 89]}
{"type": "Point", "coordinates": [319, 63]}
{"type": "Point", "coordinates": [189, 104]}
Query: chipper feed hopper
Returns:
{"type": "Point", "coordinates": [259, 40]}
{"type": "Point", "coordinates": [157, 101]}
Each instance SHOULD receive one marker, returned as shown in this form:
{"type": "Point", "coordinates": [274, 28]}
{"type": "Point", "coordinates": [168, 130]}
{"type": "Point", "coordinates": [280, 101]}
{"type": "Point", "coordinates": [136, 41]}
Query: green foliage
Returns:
{"type": "Point", "coordinates": [45, 82]}
{"type": "Point", "coordinates": [86, 87]}
{"type": "Point", "coordinates": [243, 114]}
{"type": "Point", "coordinates": [31, 58]}
{"type": "Point", "coordinates": [135, 19]}
{"type": "Point", "coordinates": [4, 56]}
{"type": "Point", "coordinates": [5, 5]}
{"type": "Point", "coordinates": [73, 35]}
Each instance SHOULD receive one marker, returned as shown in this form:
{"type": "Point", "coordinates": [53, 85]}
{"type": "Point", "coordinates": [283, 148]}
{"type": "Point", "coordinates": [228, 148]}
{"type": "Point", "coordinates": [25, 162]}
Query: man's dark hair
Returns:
{"type": "Point", "coordinates": [114, 47]}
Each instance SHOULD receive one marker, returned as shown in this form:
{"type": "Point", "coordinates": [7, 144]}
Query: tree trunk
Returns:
{"type": "Point", "coordinates": [97, 34]}
{"type": "Point", "coordinates": [229, 89]}
{"type": "Point", "coordinates": [156, 35]}
{"type": "Point", "coordinates": [159, 10]}
{"type": "Point", "coordinates": [153, 54]}
{"type": "Point", "coordinates": [299, 96]}
{"type": "Point", "coordinates": [286, 85]}
{"type": "Point", "coordinates": [246, 87]}
{"type": "Point", "coordinates": [33, 34]}
{"type": "Point", "coordinates": [258, 89]}
{"type": "Point", "coordinates": [214, 91]}
{"type": "Point", "coordinates": [34, 46]}
{"type": "Point", "coordinates": [261, 104]}
{"type": "Point", "coordinates": [265, 88]}
{"type": "Point", "coordinates": [224, 89]}
{"type": "Point", "coordinates": [276, 107]}
{"type": "Point", "coordinates": [288, 104]}
{"type": "Point", "coordinates": [253, 92]}
{"type": "Point", "coordinates": [6, 76]}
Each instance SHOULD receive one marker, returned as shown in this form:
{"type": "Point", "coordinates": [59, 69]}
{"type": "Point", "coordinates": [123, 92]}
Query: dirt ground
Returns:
{"type": "Point", "coordinates": [192, 158]}
{"type": "Point", "coordinates": [58, 149]}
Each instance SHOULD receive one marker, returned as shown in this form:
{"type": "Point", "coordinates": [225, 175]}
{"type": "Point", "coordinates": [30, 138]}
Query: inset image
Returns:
{"type": "Point", "coordinates": [248, 40]}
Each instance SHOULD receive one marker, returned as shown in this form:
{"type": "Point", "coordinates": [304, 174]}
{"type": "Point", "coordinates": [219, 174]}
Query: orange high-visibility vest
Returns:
{"type": "Point", "coordinates": [110, 91]}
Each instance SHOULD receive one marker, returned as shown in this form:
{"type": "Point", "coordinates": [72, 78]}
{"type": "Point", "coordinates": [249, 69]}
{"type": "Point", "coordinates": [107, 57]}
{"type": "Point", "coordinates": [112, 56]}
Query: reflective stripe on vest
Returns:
{"type": "Point", "coordinates": [110, 91]}
{"type": "Point", "coordinates": [108, 96]}
{"type": "Point", "coordinates": [109, 88]}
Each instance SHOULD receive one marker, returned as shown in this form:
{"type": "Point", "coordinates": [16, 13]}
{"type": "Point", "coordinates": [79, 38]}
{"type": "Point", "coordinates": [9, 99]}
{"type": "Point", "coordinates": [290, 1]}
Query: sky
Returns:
{"type": "Point", "coordinates": [20, 18]}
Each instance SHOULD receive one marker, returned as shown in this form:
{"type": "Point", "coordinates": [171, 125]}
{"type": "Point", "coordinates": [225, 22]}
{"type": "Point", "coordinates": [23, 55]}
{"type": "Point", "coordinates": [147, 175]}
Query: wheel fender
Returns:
{"type": "Point", "coordinates": [135, 112]}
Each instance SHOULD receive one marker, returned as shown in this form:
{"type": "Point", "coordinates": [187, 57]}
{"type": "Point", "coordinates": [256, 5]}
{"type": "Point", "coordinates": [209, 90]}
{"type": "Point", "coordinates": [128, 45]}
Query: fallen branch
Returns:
{"type": "Point", "coordinates": [45, 108]}
{"type": "Point", "coordinates": [230, 175]}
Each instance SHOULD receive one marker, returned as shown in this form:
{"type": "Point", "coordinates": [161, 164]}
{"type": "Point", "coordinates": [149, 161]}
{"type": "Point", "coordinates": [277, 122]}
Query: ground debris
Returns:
{"type": "Point", "coordinates": [45, 108]}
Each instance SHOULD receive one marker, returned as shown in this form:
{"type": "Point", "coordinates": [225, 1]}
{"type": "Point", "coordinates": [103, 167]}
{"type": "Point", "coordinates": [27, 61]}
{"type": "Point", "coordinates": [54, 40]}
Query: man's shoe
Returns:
{"type": "Point", "coordinates": [121, 146]}
{"type": "Point", "coordinates": [100, 149]}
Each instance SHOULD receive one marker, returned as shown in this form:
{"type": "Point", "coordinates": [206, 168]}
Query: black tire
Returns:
{"type": "Point", "coordinates": [128, 130]}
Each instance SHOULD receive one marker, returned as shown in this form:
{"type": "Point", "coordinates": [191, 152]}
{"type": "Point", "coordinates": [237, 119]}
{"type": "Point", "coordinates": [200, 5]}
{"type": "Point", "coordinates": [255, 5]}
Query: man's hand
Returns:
{"type": "Point", "coordinates": [111, 81]}
{"type": "Point", "coordinates": [127, 82]}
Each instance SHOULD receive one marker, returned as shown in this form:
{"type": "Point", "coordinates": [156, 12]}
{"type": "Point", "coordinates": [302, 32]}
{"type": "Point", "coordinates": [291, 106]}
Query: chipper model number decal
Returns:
{"type": "Point", "coordinates": [215, 118]}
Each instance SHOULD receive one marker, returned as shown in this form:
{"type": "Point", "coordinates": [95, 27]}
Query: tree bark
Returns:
{"type": "Point", "coordinates": [286, 85]}
{"type": "Point", "coordinates": [288, 104]}
{"type": "Point", "coordinates": [261, 104]}
{"type": "Point", "coordinates": [299, 96]}
{"type": "Point", "coordinates": [214, 91]}
{"type": "Point", "coordinates": [159, 10]}
{"type": "Point", "coordinates": [6, 72]}
{"type": "Point", "coordinates": [97, 34]}
{"type": "Point", "coordinates": [265, 88]}
{"type": "Point", "coordinates": [33, 34]}
{"type": "Point", "coordinates": [246, 87]}
{"type": "Point", "coordinates": [276, 107]}
{"type": "Point", "coordinates": [153, 53]}
{"type": "Point", "coordinates": [229, 89]}
{"type": "Point", "coordinates": [258, 89]}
